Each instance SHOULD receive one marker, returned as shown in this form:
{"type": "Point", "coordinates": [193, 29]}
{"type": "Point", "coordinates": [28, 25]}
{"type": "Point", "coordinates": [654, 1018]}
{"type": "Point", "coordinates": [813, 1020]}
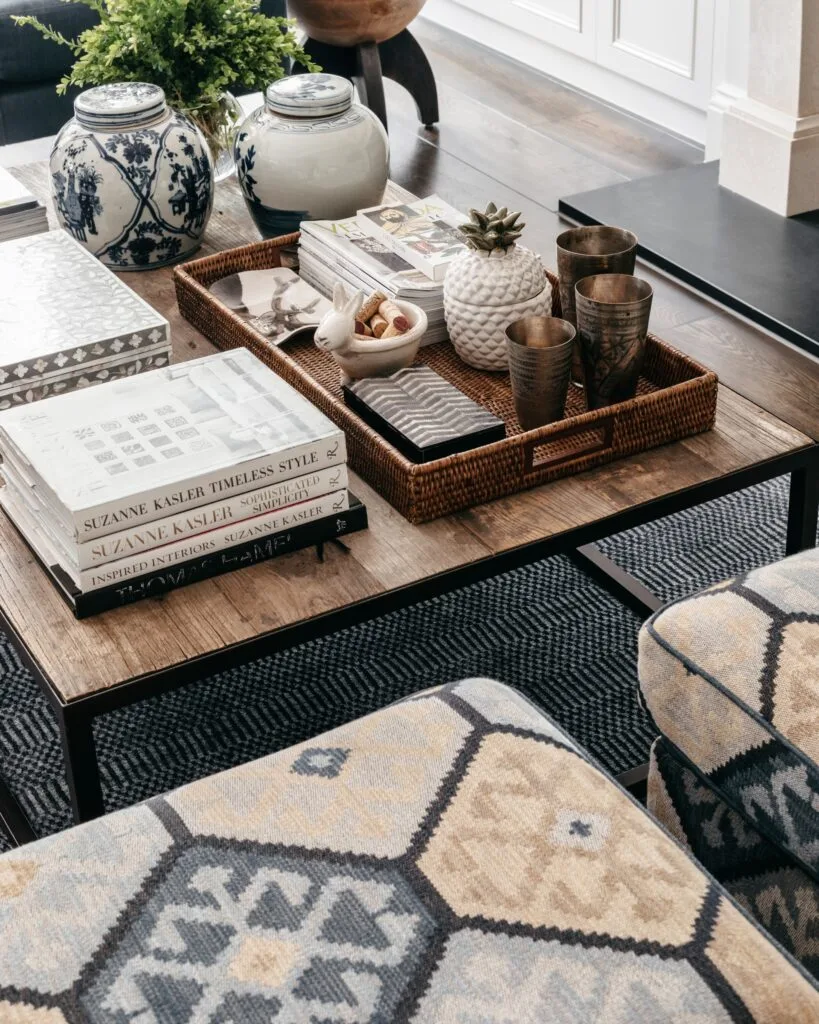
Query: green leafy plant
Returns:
{"type": "Point", "coordinates": [196, 50]}
{"type": "Point", "coordinates": [492, 229]}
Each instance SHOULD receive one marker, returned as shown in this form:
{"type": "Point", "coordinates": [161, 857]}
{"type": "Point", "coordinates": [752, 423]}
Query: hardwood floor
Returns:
{"type": "Point", "coordinates": [513, 135]}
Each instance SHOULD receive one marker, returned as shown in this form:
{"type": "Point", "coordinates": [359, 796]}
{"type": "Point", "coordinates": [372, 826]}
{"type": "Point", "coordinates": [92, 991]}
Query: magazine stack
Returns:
{"type": "Point", "coordinates": [171, 477]}
{"type": "Point", "coordinates": [20, 213]}
{"type": "Point", "coordinates": [68, 322]}
{"type": "Point", "coordinates": [366, 253]}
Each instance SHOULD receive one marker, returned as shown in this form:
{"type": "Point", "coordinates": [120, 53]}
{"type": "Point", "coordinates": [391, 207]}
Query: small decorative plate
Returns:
{"type": "Point", "coordinates": [276, 303]}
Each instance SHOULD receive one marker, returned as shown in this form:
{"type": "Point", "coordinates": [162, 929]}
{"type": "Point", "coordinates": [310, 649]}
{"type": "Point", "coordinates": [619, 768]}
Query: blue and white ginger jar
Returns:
{"type": "Point", "coordinates": [132, 179]}
{"type": "Point", "coordinates": [310, 153]}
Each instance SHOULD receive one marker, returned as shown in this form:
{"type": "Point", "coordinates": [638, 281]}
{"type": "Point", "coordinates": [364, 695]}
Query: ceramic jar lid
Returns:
{"type": "Point", "coordinates": [315, 95]}
{"type": "Point", "coordinates": [120, 106]}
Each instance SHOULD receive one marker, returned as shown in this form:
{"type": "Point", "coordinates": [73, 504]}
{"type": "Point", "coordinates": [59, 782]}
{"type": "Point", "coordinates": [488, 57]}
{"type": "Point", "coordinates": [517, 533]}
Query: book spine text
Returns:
{"type": "Point", "coordinates": [240, 557]}
{"type": "Point", "coordinates": [308, 457]}
{"type": "Point", "coordinates": [168, 555]}
{"type": "Point", "coordinates": [139, 539]}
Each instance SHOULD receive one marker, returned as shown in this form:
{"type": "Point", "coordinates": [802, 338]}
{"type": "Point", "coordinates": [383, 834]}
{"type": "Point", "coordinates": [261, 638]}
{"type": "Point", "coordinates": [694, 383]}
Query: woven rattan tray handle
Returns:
{"type": "Point", "coordinates": [603, 427]}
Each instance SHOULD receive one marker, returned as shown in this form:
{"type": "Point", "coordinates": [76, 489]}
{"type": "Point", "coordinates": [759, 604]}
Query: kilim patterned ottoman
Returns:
{"type": "Point", "coordinates": [452, 858]}
{"type": "Point", "coordinates": [731, 676]}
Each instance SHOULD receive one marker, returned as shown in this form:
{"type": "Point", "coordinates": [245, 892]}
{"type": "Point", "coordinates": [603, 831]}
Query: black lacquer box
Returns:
{"type": "Point", "coordinates": [422, 415]}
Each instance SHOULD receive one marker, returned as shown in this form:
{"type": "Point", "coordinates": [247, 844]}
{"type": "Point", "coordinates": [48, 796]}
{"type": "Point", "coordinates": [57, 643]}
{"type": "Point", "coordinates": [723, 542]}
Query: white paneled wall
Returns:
{"type": "Point", "coordinates": [664, 45]}
{"type": "Point", "coordinates": [567, 24]}
{"type": "Point", "coordinates": [660, 59]}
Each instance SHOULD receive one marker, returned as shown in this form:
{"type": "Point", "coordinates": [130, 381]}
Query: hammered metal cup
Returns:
{"type": "Point", "coordinates": [612, 324]}
{"type": "Point", "coordinates": [582, 252]}
{"type": "Point", "coordinates": [540, 361]}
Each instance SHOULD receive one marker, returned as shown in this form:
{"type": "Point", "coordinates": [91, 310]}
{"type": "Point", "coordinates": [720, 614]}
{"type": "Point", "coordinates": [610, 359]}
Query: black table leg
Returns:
{"type": "Point", "coordinates": [803, 509]}
{"type": "Point", "coordinates": [81, 767]}
{"type": "Point", "coordinates": [405, 62]}
{"type": "Point", "coordinates": [369, 80]}
{"type": "Point", "coordinates": [12, 817]}
{"type": "Point", "coordinates": [616, 581]}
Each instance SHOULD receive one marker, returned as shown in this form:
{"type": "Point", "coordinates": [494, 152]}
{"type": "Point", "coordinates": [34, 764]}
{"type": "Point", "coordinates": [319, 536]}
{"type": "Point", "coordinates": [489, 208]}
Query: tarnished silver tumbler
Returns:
{"type": "Point", "coordinates": [612, 323]}
{"type": "Point", "coordinates": [540, 360]}
{"type": "Point", "coordinates": [582, 252]}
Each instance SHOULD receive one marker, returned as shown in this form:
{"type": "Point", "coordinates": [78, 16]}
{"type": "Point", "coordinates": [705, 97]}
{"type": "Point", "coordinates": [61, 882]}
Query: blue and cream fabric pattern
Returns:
{"type": "Point", "coordinates": [452, 858]}
{"type": "Point", "coordinates": [731, 677]}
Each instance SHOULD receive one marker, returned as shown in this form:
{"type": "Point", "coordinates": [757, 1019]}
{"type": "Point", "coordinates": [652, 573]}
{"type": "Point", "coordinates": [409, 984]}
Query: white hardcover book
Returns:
{"type": "Point", "coordinates": [166, 441]}
{"type": "Point", "coordinates": [348, 241]}
{"type": "Point", "coordinates": [30, 525]}
{"type": "Point", "coordinates": [137, 539]}
{"type": "Point", "coordinates": [35, 520]}
{"type": "Point", "coordinates": [229, 536]}
{"type": "Point", "coordinates": [428, 244]}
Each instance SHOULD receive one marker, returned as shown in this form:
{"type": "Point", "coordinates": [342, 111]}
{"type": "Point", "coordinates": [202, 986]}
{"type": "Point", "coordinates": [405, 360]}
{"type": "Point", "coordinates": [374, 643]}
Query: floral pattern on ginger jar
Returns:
{"type": "Point", "coordinates": [132, 179]}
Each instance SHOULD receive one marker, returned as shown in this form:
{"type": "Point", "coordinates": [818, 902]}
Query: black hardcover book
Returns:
{"type": "Point", "coordinates": [240, 557]}
{"type": "Point", "coordinates": [422, 415]}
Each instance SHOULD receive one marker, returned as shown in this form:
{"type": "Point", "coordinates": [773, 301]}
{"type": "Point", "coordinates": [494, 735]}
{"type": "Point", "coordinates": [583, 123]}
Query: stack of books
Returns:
{"type": "Point", "coordinates": [67, 322]}
{"type": "Point", "coordinates": [171, 477]}
{"type": "Point", "coordinates": [363, 257]}
{"type": "Point", "coordinates": [20, 213]}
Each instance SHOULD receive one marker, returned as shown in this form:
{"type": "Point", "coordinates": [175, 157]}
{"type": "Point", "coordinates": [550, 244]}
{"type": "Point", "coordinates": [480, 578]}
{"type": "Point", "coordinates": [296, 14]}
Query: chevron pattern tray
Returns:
{"type": "Point", "coordinates": [676, 397]}
{"type": "Point", "coordinates": [423, 415]}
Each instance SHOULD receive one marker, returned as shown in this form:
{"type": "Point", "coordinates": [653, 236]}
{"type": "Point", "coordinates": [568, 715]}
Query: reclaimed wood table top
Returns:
{"type": "Point", "coordinates": [80, 658]}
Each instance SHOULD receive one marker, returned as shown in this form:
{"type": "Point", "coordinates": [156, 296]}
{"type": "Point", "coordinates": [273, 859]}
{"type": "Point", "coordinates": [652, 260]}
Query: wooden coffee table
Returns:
{"type": "Point", "coordinates": [124, 656]}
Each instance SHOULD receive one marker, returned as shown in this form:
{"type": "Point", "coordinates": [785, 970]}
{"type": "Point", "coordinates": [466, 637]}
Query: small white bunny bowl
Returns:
{"type": "Point", "coordinates": [359, 357]}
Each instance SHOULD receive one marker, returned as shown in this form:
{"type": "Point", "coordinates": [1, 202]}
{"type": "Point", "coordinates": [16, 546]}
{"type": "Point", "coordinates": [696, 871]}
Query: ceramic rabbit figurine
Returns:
{"type": "Point", "coordinates": [336, 332]}
{"type": "Point", "coordinates": [357, 356]}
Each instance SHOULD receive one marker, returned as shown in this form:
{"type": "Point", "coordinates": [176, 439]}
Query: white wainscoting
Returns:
{"type": "Point", "coordinates": [567, 24]}
{"type": "Point", "coordinates": [654, 58]}
{"type": "Point", "coordinates": [666, 46]}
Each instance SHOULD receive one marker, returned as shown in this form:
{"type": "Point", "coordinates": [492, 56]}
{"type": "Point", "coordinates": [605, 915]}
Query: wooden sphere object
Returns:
{"type": "Point", "coordinates": [349, 22]}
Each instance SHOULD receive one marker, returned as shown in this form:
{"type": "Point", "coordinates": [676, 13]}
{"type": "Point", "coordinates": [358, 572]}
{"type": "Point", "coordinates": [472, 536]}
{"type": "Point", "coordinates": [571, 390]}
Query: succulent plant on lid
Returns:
{"type": "Point", "coordinates": [494, 283]}
{"type": "Point", "coordinates": [493, 229]}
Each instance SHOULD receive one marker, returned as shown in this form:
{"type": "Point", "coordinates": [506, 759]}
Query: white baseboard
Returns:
{"type": "Point", "coordinates": [576, 72]}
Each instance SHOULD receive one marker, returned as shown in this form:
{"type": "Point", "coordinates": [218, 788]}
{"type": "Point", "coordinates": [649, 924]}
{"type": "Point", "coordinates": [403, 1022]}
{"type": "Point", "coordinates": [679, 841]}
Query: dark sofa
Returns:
{"type": "Point", "coordinates": [31, 66]}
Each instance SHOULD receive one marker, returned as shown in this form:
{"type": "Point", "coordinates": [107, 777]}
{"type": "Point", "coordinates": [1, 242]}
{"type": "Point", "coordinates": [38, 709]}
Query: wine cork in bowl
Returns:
{"type": "Point", "coordinates": [380, 357]}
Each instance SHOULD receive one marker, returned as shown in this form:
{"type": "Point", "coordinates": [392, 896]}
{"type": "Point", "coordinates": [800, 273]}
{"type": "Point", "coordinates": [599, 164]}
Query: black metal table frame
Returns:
{"type": "Point", "coordinates": [76, 718]}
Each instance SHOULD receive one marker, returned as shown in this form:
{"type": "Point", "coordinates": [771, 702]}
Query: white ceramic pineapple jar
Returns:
{"type": "Point", "coordinates": [493, 284]}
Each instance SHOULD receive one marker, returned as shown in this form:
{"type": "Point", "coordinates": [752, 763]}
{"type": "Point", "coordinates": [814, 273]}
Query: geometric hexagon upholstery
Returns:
{"type": "Point", "coordinates": [731, 676]}
{"type": "Point", "coordinates": [761, 876]}
{"type": "Point", "coordinates": [451, 858]}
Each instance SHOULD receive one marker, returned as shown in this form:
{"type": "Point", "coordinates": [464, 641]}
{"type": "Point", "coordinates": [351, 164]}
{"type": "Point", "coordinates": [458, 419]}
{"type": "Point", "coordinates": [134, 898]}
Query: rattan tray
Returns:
{"type": "Point", "coordinates": [676, 397]}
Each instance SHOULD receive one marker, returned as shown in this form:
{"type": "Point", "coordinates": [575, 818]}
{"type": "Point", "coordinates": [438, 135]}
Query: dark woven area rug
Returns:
{"type": "Point", "coordinates": [544, 629]}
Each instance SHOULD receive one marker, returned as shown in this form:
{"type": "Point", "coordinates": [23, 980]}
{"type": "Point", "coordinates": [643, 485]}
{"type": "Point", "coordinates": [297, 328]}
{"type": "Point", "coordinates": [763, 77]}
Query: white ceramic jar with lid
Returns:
{"type": "Point", "coordinates": [310, 153]}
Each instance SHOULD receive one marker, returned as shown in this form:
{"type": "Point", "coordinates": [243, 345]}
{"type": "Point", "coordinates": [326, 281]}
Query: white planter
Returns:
{"type": "Point", "coordinates": [484, 293]}
{"type": "Point", "coordinates": [310, 153]}
{"type": "Point", "coordinates": [131, 179]}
